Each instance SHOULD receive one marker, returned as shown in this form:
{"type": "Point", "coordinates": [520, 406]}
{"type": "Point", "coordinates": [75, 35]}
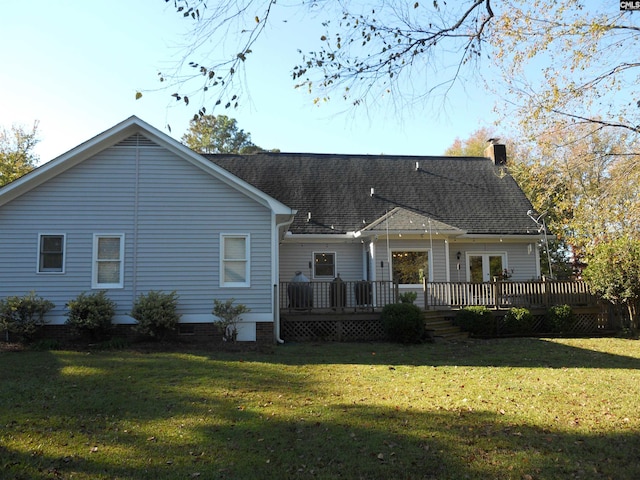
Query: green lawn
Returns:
{"type": "Point", "coordinates": [504, 409]}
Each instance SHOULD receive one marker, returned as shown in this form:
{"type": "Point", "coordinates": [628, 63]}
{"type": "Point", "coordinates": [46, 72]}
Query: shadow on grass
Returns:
{"type": "Point", "coordinates": [384, 443]}
{"type": "Point", "coordinates": [514, 352]}
{"type": "Point", "coordinates": [165, 416]}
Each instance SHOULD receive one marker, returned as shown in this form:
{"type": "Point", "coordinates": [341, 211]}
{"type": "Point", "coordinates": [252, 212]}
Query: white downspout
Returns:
{"type": "Point", "coordinates": [275, 274]}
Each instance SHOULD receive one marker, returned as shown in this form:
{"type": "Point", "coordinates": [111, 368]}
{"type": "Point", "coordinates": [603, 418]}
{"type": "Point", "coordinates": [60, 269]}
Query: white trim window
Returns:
{"type": "Point", "coordinates": [235, 260]}
{"type": "Point", "coordinates": [51, 252]}
{"type": "Point", "coordinates": [324, 265]}
{"type": "Point", "coordinates": [108, 260]}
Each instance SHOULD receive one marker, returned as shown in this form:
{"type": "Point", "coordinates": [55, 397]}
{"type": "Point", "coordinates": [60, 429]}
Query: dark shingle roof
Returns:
{"type": "Point", "coordinates": [468, 193]}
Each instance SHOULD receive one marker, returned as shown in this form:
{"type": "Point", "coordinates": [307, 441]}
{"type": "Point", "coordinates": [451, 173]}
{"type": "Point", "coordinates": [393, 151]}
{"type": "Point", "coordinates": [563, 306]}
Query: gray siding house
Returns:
{"type": "Point", "coordinates": [133, 210]}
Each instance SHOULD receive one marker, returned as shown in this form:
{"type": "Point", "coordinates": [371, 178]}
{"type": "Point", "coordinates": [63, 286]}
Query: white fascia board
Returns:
{"type": "Point", "coordinates": [495, 237]}
{"type": "Point", "coordinates": [383, 233]}
{"type": "Point", "coordinates": [318, 237]}
{"type": "Point", "coordinates": [113, 136]}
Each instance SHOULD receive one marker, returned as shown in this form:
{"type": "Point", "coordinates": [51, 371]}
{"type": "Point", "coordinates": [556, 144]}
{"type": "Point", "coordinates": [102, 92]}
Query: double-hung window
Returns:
{"type": "Point", "coordinates": [324, 264]}
{"type": "Point", "coordinates": [234, 261]}
{"type": "Point", "coordinates": [51, 249]}
{"type": "Point", "coordinates": [108, 261]}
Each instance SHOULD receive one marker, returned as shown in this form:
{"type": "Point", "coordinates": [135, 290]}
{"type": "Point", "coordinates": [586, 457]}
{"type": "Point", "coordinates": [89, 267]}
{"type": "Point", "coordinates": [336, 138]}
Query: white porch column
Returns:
{"type": "Point", "coordinates": [447, 262]}
{"type": "Point", "coordinates": [371, 258]}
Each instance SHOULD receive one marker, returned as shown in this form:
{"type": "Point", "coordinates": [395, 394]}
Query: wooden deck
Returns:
{"type": "Point", "coordinates": [356, 297]}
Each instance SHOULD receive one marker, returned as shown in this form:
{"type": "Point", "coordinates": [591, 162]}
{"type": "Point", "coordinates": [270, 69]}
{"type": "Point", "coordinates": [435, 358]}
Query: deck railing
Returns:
{"type": "Point", "coordinates": [506, 294]}
{"type": "Point", "coordinates": [337, 295]}
{"type": "Point", "coordinates": [369, 296]}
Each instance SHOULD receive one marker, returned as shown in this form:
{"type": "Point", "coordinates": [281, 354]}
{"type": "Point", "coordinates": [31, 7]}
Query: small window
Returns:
{"type": "Point", "coordinates": [51, 253]}
{"type": "Point", "coordinates": [324, 265]}
{"type": "Point", "coordinates": [234, 268]}
{"type": "Point", "coordinates": [108, 261]}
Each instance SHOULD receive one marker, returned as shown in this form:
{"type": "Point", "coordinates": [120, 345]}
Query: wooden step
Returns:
{"type": "Point", "coordinates": [440, 327]}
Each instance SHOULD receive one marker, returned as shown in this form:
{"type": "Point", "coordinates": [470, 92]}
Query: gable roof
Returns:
{"type": "Point", "coordinates": [405, 221]}
{"type": "Point", "coordinates": [332, 193]}
{"type": "Point", "coordinates": [124, 131]}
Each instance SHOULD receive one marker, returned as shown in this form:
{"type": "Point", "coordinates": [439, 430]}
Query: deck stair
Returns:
{"type": "Point", "coordinates": [439, 325]}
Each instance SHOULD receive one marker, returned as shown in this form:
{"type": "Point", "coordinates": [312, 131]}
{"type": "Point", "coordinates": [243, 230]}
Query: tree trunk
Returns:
{"type": "Point", "coordinates": [632, 308]}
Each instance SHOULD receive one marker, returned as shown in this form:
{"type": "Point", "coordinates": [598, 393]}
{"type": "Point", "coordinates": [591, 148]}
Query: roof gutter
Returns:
{"type": "Point", "coordinates": [319, 237]}
{"type": "Point", "coordinates": [494, 236]}
{"type": "Point", "coordinates": [276, 273]}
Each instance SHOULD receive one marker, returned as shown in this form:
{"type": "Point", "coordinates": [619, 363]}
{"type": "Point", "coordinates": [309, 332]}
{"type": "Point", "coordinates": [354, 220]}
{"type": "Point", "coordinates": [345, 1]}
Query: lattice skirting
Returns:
{"type": "Point", "coordinates": [368, 327]}
{"type": "Point", "coordinates": [341, 329]}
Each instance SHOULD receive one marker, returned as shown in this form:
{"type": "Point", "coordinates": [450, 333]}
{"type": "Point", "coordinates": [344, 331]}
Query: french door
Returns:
{"type": "Point", "coordinates": [484, 266]}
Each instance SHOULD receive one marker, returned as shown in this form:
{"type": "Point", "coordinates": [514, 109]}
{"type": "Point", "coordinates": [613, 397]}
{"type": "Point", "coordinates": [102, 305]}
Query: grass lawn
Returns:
{"type": "Point", "coordinates": [495, 409]}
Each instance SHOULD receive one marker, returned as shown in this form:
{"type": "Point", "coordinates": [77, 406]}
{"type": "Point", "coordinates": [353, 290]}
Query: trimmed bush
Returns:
{"type": "Point", "coordinates": [477, 320]}
{"type": "Point", "coordinates": [156, 314]}
{"type": "Point", "coordinates": [90, 315]}
{"type": "Point", "coordinates": [24, 315]}
{"type": "Point", "coordinates": [403, 322]}
{"type": "Point", "coordinates": [560, 318]}
{"type": "Point", "coordinates": [408, 297]}
{"type": "Point", "coordinates": [228, 317]}
{"type": "Point", "coordinates": [518, 321]}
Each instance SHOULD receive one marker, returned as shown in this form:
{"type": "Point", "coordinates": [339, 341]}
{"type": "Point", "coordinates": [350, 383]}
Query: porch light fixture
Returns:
{"type": "Point", "coordinates": [458, 255]}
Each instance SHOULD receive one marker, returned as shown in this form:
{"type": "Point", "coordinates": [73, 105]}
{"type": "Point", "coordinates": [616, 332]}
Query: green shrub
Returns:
{"type": "Point", "coordinates": [90, 315]}
{"type": "Point", "coordinates": [408, 297]}
{"type": "Point", "coordinates": [560, 318]}
{"type": "Point", "coordinates": [156, 314]}
{"type": "Point", "coordinates": [228, 317]}
{"type": "Point", "coordinates": [403, 323]}
{"type": "Point", "coordinates": [477, 320]}
{"type": "Point", "coordinates": [24, 315]}
{"type": "Point", "coordinates": [518, 321]}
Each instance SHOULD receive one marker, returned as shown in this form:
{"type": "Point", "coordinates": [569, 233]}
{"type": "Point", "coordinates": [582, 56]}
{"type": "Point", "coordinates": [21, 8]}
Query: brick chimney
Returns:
{"type": "Point", "coordinates": [497, 152]}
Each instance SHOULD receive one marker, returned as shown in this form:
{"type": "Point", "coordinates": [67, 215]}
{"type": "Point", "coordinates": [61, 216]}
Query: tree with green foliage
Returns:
{"type": "Point", "coordinates": [217, 134]}
{"type": "Point", "coordinates": [16, 152]}
{"type": "Point", "coordinates": [613, 271]}
{"type": "Point", "coordinates": [586, 182]}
